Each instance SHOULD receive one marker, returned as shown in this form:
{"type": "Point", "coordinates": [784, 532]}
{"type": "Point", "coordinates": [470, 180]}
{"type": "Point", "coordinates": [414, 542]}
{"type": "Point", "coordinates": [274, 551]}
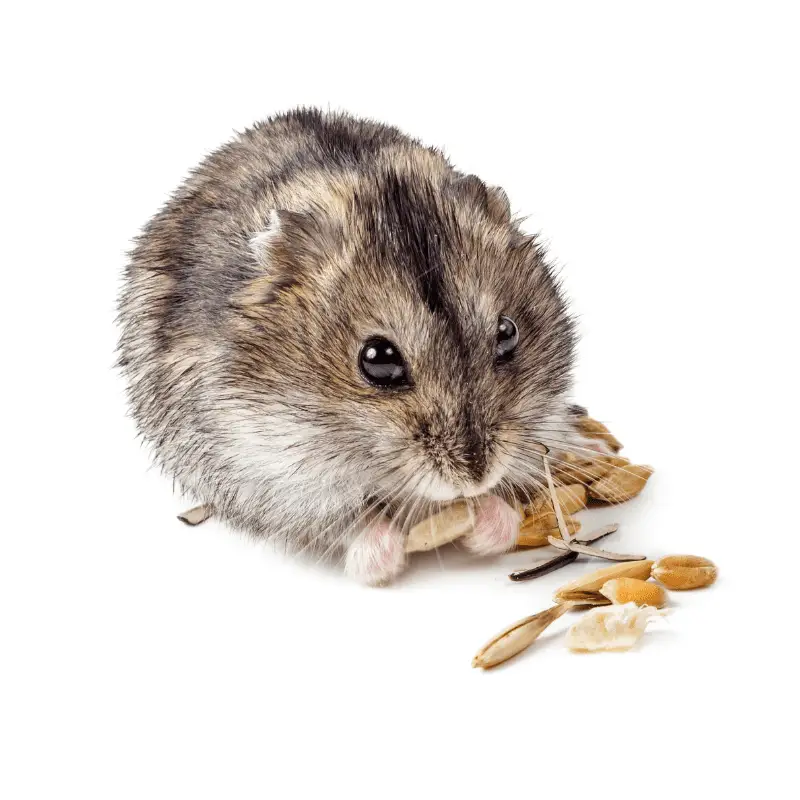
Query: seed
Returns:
{"type": "Point", "coordinates": [685, 572]}
{"type": "Point", "coordinates": [593, 581]}
{"type": "Point", "coordinates": [621, 484]}
{"type": "Point", "coordinates": [585, 598]}
{"type": "Point", "coordinates": [534, 531]}
{"type": "Point", "coordinates": [571, 469]}
{"type": "Point", "coordinates": [446, 526]}
{"type": "Point", "coordinates": [571, 498]}
{"type": "Point", "coordinates": [593, 429]}
{"type": "Point", "coordinates": [612, 628]}
{"type": "Point", "coordinates": [634, 590]}
{"type": "Point", "coordinates": [515, 638]}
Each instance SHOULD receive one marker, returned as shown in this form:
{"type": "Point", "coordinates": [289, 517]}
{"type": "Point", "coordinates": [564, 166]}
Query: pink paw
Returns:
{"type": "Point", "coordinates": [377, 555]}
{"type": "Point", "coordinates": [496, 527]}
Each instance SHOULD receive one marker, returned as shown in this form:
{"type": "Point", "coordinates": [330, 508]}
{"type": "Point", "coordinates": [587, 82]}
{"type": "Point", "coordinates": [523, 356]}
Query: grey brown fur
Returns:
{"type": "Point", "coordinates": [241, 329]}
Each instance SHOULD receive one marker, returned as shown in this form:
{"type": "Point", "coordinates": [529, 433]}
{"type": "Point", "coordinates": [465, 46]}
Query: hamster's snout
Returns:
{"type": "Point", "coordinates": [462, 458]}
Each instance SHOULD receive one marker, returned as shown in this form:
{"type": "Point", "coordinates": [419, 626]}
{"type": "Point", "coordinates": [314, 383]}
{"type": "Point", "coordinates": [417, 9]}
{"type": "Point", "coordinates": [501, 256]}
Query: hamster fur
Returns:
{"type": "Point", "coordinates": [246, 306]}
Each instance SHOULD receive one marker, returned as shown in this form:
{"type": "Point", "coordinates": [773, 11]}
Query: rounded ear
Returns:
{"type": "Point", "coordinates": [491, 199]}
{"type": "Point", "coordinates": [471, 189]}
{"type": "Point", "coordinates": [281, 252]}
{"type": "Point", "coordinates": [499, 205]}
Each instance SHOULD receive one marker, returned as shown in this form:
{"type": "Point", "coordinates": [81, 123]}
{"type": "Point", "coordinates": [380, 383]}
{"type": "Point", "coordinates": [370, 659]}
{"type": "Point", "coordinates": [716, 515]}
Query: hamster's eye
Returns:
{"type": "Point", "coordinates": [507, 337]}
{"type": "Point", "coordinates": [382, 364]}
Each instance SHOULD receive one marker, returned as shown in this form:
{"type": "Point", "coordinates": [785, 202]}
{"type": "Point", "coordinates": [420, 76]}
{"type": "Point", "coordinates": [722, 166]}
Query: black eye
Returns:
{"type": "Point", "coordinates": [507, 337]}
{"type": "Point", "coordinates": [382, 365]}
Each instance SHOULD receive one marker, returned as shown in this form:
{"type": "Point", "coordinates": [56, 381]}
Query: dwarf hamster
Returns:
{"type": "Point", "coordinates": [328, 331]}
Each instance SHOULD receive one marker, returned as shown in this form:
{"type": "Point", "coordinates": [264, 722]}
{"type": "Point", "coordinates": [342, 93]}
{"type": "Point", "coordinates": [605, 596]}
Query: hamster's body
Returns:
{"type": "Point", "coordinates": [253, 298]}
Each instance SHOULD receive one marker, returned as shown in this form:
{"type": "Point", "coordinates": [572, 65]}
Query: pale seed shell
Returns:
{"type": "Point", "coordinates": [449, 524]}
{"type": "Point", "coordinates": [593, 581]}
{"type": "Point", "coordinates": [685, 572]}
{"type": "Point", "coordinates": [599, 533]}
{"type": "Point", "coordinates": [197, 515]}
{"type": "Point", "coordinates": [621, 484]}
{"type": "Point", "coordinates": [515, 638]}
{"type": "Point", "coordinates": [634, 590]}
{"type": "Point", "coordinates": [597, 552]}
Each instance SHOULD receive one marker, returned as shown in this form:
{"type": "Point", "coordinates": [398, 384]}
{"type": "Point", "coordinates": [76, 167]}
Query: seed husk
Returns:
{"type": "Point", "coordinates": [634, 590]}
{"type": "Point", "coordinates": [551, 486]}
{"type": "Point", "coordinates": [593, 581]}
{"type": "Point", "coordinates": [449, 524]}
{"type": "Point", "coordinates": [562, 559]}
{"type": "Point", "coordinates": [608, 555]}
{"type": "Point", "coordinates": [685, 572]}
{"type": "Point", "coordinates": [621, 484]}
{"type": "Point", "coordinates": [599, 533]}
{"type": "Point", "coordinates": [517, 637]}
{"type": "Point", "coordinates": [197, 515]}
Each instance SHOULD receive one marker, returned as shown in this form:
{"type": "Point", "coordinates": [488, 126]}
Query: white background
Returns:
{"type": "Point", "coordinates": [656, 148]}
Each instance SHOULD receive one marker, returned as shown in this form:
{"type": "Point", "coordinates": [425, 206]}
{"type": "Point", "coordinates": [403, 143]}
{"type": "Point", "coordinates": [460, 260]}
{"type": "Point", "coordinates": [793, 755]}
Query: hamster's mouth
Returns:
{"type": "Point", "coordinates": [434, 487]}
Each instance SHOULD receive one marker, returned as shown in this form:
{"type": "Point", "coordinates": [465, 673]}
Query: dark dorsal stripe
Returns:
{"type": "Point", "coordinates": [404, 225]}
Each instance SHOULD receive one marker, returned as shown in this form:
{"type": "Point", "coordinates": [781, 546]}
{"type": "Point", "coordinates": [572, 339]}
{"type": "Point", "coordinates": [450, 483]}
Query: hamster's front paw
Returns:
{"type": "Point", "coordinates": [377, 555]}
{"type": "Point", "coordinates": [496, 527]}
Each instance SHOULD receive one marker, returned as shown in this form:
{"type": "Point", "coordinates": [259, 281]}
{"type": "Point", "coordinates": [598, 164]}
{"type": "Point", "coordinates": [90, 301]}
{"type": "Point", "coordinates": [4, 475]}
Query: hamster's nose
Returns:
{"type": "Point", "coordinates": [473, 452]}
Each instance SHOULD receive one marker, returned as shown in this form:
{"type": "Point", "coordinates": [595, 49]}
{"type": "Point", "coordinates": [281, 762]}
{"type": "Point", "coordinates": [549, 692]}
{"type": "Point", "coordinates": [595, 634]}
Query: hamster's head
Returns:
{"type": "Point", "coordinates": [405, 342]}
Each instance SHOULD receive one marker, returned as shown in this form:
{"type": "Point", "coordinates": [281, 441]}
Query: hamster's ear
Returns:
{"type": "Point", "coordinates": [491, 199]}
{"type": "Point", "coordinates": [499, 205]}
{"type": "Point", "coordinates": [280, 254]}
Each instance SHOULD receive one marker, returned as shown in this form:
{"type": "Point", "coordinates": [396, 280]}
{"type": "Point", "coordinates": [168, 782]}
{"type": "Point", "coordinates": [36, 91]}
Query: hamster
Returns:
{"type": "Point", "coordinates": [328, 331]}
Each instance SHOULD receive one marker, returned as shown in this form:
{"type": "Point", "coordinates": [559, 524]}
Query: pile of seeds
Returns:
{"type": "Point", "coordinates": [633, 599]}
{"type": "Point", "coordinates": [621, 597]}
{"type": "Point", "coordinates": [579, 480]}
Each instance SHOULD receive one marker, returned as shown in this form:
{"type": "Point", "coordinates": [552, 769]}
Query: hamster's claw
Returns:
{"type": "Point", "coordinates": [377, 555]}
{"type": "Point", "coordinates": [496, 527]}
